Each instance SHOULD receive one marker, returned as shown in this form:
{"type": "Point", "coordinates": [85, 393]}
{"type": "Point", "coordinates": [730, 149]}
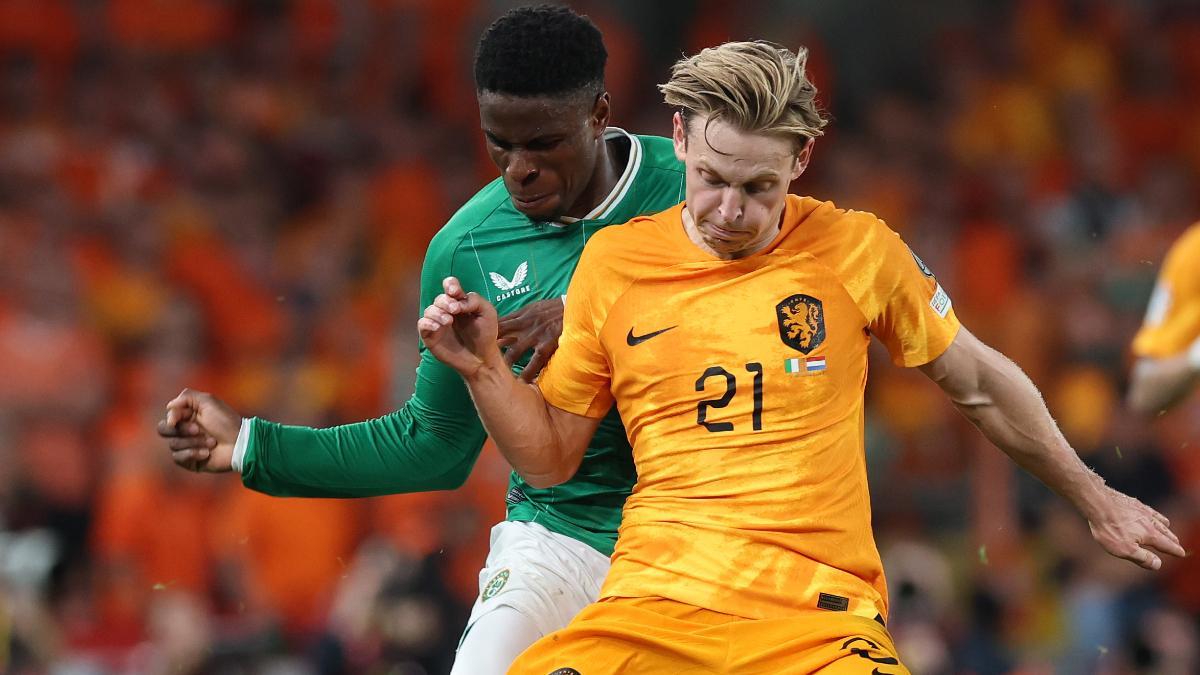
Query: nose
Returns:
{"type": "Point", "coordinates": [521, 168]}
{"type": "Point", "coordinates": [730, 207]}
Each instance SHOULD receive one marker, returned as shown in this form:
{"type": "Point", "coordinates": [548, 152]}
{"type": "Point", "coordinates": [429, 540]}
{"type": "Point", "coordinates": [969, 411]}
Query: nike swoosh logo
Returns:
{"type": "Point", "coordinates": [635, 340]}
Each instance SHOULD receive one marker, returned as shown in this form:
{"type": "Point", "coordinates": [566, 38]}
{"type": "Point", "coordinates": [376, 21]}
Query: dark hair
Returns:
{"type": "Point", "coordinates": [541, 50]}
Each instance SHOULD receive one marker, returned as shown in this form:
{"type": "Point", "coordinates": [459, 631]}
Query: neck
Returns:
{"type": "Point", "coordinates": [605, 173]}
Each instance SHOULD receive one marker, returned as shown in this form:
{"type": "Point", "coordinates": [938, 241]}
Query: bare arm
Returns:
{"type": "Point", "coordinates": [1157, 384]}
{"type": "Point", "coordinates": [542, 443]}
{"type": "Point", "coordinates": [999, 399]}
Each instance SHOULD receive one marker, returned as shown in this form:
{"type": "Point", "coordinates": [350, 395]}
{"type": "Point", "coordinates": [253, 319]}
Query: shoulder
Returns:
{"type": "Point", "coordinates": [658, 156]}
{"type": "Point", "coordinates": [640, 231]}
{"type": "Point", "coordinates": [486, 206]}
{"type": "Point", "coordinates": [628, 250]}
{"type": "Point", "coordinates": [821, 228]}
{"type": "Point", "coordinates": [660, 152]}
{"type": "Point", "coordinates": [1178, 269]}
{"type": "Point", "coordinates": [1186, 249]}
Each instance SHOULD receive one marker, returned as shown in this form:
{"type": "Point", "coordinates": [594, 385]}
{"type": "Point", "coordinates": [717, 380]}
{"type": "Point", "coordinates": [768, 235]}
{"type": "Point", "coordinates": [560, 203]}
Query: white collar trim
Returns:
{"type": "Point", "coordinates": [609, 204]}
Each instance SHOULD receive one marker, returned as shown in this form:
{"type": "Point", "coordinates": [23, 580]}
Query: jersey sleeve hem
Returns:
{"type": "Point", "coordinates": [596, 408]}
{"type": "Point", "coordinates": [934, 348]}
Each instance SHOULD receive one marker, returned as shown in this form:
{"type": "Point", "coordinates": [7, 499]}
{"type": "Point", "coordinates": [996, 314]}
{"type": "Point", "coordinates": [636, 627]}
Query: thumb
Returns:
{"type": "Point", "coordinates": [180, 408]}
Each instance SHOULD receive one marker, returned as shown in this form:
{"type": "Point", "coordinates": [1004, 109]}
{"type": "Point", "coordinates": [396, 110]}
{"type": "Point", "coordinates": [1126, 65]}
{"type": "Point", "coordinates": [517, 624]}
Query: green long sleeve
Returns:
{"type": "Point", "coordinates": [431, 443]}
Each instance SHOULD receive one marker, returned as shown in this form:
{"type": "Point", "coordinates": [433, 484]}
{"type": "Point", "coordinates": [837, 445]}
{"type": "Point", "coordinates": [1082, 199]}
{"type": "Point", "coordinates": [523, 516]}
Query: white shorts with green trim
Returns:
{"type": "Point", "coordinates": [548, 577]}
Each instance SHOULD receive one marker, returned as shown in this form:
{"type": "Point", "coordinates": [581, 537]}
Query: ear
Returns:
{"type": "Point", "coordinates": [802, 158]}
{"type": "Point", "coordinates": [601, 114]}
{"type": "Point", "coordinates": [679, 135]}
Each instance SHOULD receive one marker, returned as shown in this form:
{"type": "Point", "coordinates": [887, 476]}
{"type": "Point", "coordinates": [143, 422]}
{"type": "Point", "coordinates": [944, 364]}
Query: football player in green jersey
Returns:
{"type": "Point", "coordinates": [564, 174]}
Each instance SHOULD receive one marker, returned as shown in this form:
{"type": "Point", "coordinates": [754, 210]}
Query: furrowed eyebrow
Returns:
{"type": "Point", "coordinates": [544, 139]}
{"type": "Point", "coordinates": [757, 178]}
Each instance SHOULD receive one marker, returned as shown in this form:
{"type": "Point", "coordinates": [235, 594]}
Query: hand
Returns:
{"type": "Point", "coordinates": [1129, 529]}
{"type": "Point", "coordinates": [201, 431]}
{"type": "Point", "coordinates": [535, 326]}
{"type": "Point", "coordinates": [460, 329]}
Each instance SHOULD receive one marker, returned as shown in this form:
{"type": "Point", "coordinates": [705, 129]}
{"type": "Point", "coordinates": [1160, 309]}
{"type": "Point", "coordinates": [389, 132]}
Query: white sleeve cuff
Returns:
{"type": "Point", "coordinates": [564, 299]}
{"type": "Point", "coordinates": [239, 447]}
{"type": "Point", "coordinates": [1193, 355]}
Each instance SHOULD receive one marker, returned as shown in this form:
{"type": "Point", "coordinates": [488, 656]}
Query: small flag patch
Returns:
{"type": "Point", "coordinates": [940, 302]}
{"type": "Point", "coordinates": [811, 364]}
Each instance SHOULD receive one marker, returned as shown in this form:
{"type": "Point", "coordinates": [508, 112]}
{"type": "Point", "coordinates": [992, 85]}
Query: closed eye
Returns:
{"type": "Point", "coordinates": [503, 145]}
{"type": "Point", "coordinates": [543, 144]}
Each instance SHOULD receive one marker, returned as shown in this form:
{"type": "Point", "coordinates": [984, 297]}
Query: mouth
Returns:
{"type": "Point", "coordinates": [530, 203]}
{"type": "Point", "coordinates": [725, 234]}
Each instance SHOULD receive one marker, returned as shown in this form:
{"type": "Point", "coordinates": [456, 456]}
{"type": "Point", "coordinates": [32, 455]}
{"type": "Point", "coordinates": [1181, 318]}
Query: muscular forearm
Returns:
{"type": "Point", "coordinates": [520, 422]}
{"type": "Point", "coordinates": [1158, 384]}
{"type": "Point", "coordinates": [994, 394]}
{"type": "Point", "coordinates": [999, 399]}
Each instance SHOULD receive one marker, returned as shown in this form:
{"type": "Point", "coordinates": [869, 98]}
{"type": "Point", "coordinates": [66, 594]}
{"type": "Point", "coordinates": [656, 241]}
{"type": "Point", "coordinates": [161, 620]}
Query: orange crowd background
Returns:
{"type": "Point", "coordinates": [236, 197]}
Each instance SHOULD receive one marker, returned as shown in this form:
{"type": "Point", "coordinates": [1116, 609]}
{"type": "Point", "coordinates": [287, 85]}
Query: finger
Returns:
{"type": "Point", "coordinates": [428, 328]}
{"type": "Point", "coordinates": [473, 303]}
{"type": "Point", "coordinates": [1166, 531]}
{"type": "Point", "coordinates": [1166, 522]}
{"type": "Point", "coordinates": [166, 429]}
{"type": "Point", "coordinates": [439, 315]}
{"type": "Point", "coordinates": [536, 363]}
{"type": "Point", "coordinates": [1163, 544]}
{"type": "Point", "coordinates": [511, 327]}
{"type": "Point", "coordinates": [519, 348]}
{"type": "Point", "coordinates": [190, 442]}
{"type": "Point", "coordinates": [513, 319]}
{"type": "Point", "coordinates": [182, 428]}
{"type": "Point", "coordinates": [189, 459]}
{"type": "Point", "coordinates": [1145, 558]}
{"type": "Point", "coordinates": [452, 287]}
{"type": "Point", "coordinates": [181, 407]}
{"type": "Point", "coordinates": [448, 304]}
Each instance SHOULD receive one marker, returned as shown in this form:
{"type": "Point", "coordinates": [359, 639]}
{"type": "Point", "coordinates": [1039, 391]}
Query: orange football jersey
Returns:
{"type": "Point", "coordinates": [1173, 317]}
{"type": "Point", "coordinates": [740, 383]}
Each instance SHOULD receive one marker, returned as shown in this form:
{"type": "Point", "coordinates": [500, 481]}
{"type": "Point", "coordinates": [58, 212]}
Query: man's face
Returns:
{"type": "Point", "coordinates": [737, 182]}
{"type": "Point", "coordinates": [545, 148]}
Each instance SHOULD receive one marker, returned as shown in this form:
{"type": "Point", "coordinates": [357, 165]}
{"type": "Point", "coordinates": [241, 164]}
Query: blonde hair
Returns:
{"type": "Point", "coordinates": [755, 86]}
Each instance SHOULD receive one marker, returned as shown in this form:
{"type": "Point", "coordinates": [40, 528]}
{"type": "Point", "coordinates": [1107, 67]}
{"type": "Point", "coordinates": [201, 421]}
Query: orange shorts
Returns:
{"type": "Point", "coordinates": [652, 635]}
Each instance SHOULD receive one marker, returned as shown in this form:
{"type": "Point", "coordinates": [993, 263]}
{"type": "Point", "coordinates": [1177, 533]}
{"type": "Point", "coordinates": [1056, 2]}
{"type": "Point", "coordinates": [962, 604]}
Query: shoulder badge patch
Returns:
{"type": "Point", "coordinates": [495, 584]}
{"type": "Point", "coordinates": [921, 264]}
{"type": "Point", "coordinates": [940, 302]}
{"type": "Point", "coordinates": [801, 322]}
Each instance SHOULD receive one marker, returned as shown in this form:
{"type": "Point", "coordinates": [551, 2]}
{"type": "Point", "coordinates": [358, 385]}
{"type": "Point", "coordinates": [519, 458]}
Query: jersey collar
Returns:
{"type": "Point", "coordinates": [609, 204]}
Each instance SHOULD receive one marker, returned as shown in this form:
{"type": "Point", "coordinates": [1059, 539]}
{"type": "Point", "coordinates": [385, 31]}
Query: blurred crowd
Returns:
{"type": "Point", "coordinates": [236, 197]}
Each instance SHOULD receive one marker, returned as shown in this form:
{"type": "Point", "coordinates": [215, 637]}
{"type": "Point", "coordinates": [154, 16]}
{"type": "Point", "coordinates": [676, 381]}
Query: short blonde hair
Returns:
{"type": "Point", "coordinates": [756, 86]}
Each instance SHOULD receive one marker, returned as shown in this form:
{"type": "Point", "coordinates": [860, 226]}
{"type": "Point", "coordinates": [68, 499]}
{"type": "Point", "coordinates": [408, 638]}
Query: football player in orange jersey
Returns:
{"type": "Point", "coordinates": [1168, 345]}
{"type": "Point", "coordinates": [731, 332]}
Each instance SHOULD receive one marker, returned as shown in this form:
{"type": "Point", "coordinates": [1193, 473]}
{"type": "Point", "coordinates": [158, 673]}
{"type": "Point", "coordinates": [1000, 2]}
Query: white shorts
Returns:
{"type": "Point", "coordinates": [546, 576]}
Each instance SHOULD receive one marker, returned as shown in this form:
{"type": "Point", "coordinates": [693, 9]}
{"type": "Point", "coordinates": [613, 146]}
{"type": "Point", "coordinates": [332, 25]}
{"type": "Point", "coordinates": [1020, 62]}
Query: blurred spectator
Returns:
{"type": "Point", "coordinates": [238, 196]}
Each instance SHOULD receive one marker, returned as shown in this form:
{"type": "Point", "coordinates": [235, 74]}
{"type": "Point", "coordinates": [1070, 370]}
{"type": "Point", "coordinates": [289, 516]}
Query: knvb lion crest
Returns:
{"type": "Point", "coordinates": [801, 322]}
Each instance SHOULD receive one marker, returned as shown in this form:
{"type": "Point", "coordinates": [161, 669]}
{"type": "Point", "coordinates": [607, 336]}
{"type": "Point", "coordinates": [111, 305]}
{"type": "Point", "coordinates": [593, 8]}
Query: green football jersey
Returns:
{"type": "Point", "coordinates": [433, 441]}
